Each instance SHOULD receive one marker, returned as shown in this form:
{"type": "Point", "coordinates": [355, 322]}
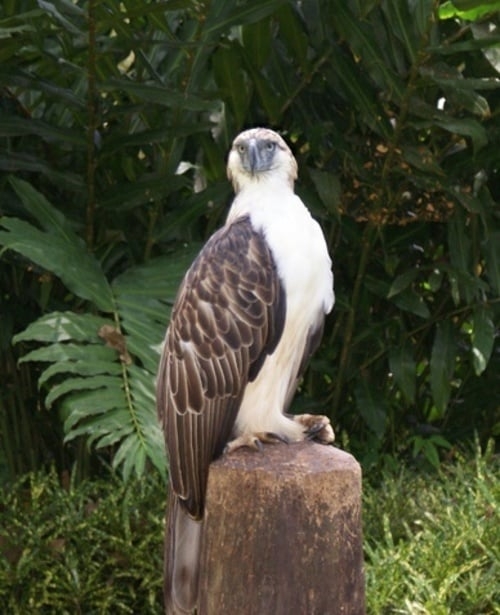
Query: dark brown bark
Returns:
{"type": "Point", "coordinates": [283, 533]}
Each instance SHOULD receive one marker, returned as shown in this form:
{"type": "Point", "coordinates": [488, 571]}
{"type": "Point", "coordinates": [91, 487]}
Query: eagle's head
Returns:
{"type": "Point", "coordinates": [260, 154]}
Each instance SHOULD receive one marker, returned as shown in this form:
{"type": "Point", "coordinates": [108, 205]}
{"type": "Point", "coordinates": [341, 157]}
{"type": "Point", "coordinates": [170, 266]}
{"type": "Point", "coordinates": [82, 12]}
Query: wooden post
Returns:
{"type": "Point", "coordinates": [283, 533]}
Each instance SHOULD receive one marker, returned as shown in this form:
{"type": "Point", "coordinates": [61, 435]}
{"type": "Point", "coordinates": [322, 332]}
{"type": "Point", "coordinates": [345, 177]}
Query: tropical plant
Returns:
{"type": "Point", "coordinates": [96, 546]}
{"type": "Point", "coordinates": [104, 393]}
{"type": "Point", "coordinates": [120, 115]}
{"type": "Point", "coordinates": [81, 546]}
{"type": "Point", "coordinates": [101, 124]}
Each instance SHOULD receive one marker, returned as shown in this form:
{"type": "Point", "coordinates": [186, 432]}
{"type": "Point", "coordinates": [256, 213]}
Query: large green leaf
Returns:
{"type": "Point", "coordinates": [467, 9]}
{"type": "Point", "coordinates": [56, 248]}
{"type": "Point", "coordinates": [16, 76]}
{"type": "Point", "coordinates": [442, 365]}
{"type": "Point", "coordinates": [144, 296]}
{"type": "Point", "coordinates": [293, 35]}
{"type": "Point", "coordinates": [102, 396]}
{"type": "Point", "coordinates": [398, 15]}
{"type": "Point", "coordinates": [145, 190]}
{"type": "Point", "coordinates": [113, 144]}
{"type": "Point", "coordinates": [103, 382]}
{"type": "Point", "coordinates": [483, 339]}
{"type": "Point", "coordinates": [410, 301]}
{"type": "Point", "coordinates": [402, 282]}
{"type": "Point", "coordinates": [230, 80]}
{"type": "Point", "coordinates": [103, 379]}
{"type": "Point", "coordinates": [493, 260]}
{"type": "Point", "coordinates": [371, 406]}
{"type": "Point", "coordinates": [222, 16]}
{"type": "Point", "coordinates": [61, 327]}
{"type": "Point", "coordinates": [158, 94]}
{"type": "Point", "coordinates": [368, 44]}
{"type": "Point", "coordinates": [328, 187]}
{"type": "Point", "coordinates": [256, 39]}
{"type": "Point", "coordinates": [67, 259]}
{"type": "Point", "coordinates": [58, 354]}
{"type": "Point", "coordinates": [467, 127]}
{"type": "Point", "coordinates": [92, 413]}
{"type": "Point", "coordinates": [79, 368]}
{"type": "Point", "coordinates": [54, 11]}
{"type": "Point", "coordinates": [11, 126]}
{"type": "Point", "coordinates": [358, 90]}
{"type": "Point", "coordinates": [404, 370]}
{"type": "Point", "coordinates": [25, 162]}
{"type": "Point", "coordinates": [270, 98]}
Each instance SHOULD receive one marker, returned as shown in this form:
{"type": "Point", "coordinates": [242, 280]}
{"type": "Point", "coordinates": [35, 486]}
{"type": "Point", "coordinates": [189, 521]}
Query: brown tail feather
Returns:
{"type": "Point", "coordinates": [182, 560]}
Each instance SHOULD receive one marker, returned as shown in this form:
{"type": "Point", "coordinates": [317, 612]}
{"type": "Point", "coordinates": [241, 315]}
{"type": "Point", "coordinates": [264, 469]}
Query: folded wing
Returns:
{"type": "Point", "coordinates": [228, 316]}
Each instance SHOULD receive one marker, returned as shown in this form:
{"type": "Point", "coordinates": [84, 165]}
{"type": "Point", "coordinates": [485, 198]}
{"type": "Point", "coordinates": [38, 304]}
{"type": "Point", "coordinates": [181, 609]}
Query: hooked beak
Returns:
{"type": "Point", "coordinates": [253, 156]}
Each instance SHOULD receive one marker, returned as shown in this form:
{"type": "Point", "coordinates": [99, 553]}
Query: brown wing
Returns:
{"type": "Point", "coordinates": [228, 316]}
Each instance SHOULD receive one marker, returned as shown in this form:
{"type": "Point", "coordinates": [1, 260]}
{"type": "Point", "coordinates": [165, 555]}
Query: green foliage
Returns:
{"type": "Point", "coordinates": [105, 392]}
{"type": "Point", "coordinates": [432, 543]}
{"type": "Point", "coordinates": [95, 548]}
{"type": "Point", "coordinates": [116, 119]}
{"type": "Point", "coordinates": [468, 9]}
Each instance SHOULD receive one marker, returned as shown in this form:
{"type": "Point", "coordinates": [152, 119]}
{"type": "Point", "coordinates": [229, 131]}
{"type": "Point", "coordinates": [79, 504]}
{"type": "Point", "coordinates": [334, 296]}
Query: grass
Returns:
{"type": "Point", "coordinates": [432, 543]}
{"type": "Point", "coordinates": [95, 548]}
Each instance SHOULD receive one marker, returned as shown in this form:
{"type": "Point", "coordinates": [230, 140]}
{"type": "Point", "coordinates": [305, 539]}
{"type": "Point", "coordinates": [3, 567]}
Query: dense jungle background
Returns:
{"type": "Point", "coordinates": [115, 122]}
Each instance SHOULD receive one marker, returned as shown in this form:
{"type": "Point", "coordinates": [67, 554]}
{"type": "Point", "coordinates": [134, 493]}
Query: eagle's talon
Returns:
{"type": "Point", "coordinates": [316, 427]}
{"type": "Point", "coordinates": [273, 438]}
{"type": "Point", "coordinates": [257, 444]}
{"type": "Point", "coordinates": [314, 430]}
{"type": "Point", "coordinates": [254, 440]}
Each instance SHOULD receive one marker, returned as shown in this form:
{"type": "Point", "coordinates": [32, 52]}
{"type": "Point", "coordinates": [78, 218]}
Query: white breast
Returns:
{"type": "Point", "coordinates": [304, 266]}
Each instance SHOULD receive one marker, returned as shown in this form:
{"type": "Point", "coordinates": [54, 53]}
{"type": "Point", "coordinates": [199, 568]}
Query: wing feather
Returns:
{"type": "Point", "coordinates": [228, 316]}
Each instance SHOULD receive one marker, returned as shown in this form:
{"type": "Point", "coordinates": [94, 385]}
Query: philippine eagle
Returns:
{"type": "Point", "coordinates": [248, 315]}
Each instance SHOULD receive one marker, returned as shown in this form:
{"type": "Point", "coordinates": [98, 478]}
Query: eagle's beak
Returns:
{"type": "Point", "coordinates": [253, 156]}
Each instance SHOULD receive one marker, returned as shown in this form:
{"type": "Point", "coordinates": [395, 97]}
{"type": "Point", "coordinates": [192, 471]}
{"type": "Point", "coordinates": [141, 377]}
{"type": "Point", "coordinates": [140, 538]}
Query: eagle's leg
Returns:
{"type": "Point", "coordinates": [316, 427]}
{"type": "Point", "coordinates": [253, 440]}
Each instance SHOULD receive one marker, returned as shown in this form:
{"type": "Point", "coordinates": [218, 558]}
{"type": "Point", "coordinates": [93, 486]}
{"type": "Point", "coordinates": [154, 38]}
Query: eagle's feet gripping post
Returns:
{"type": "Point", "coordinates": [312, 427]}
{"type": "Point", "coordinates": [253, 440]}
{"type": "Point", "coordinates": [316, 427]}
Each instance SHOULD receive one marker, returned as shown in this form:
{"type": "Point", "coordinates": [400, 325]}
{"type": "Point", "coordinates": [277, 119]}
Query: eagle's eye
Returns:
{"type": "Point", "coordinates": [241, 147]}
{"type": "Point", "coordinates": [270, 146]}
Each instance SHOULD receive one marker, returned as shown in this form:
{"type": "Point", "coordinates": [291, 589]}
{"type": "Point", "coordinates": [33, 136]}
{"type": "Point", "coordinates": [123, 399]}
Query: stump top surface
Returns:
{"type": "Point", "coordinates": [289, 458]}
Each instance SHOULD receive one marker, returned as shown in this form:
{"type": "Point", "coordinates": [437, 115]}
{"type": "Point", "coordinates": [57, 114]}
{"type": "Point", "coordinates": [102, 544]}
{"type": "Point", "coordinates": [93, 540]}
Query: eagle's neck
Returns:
{"type": "Point", "coordinates": [264, 201]}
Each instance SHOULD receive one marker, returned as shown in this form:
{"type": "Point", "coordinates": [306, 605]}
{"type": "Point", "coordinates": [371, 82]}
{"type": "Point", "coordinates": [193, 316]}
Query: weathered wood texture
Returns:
{"type": "Point", "coordinates": [283, 533]}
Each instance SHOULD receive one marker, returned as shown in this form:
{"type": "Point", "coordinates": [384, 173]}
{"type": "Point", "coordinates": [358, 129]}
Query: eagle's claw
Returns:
{"type": "Point", "coordinates": [254, 440]}
{"type": "Point", "coordinates": [316, 427]}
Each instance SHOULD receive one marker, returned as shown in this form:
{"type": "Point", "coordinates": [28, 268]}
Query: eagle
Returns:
{"type": "Point", "coordinates": [248, 315]}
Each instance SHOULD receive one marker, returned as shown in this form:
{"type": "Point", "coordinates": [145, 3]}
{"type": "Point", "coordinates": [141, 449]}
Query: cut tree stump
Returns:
{"type": "Point", "coordinates": [283, 533]}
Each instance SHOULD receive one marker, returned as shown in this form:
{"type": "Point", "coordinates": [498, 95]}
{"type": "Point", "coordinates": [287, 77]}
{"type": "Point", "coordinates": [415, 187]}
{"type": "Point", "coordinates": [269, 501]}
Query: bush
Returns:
{"type": "Point", "coordinates": [95, 548]}
{"type": "Point", "coordinates": [432, 543]}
